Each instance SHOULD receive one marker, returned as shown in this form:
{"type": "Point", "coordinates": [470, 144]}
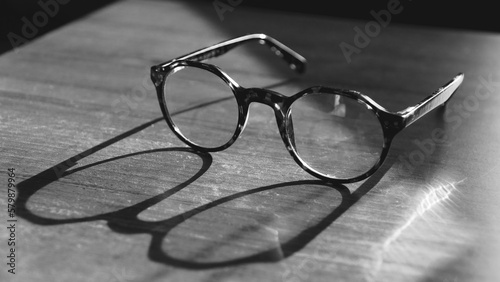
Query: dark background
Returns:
{"type": "Point", "coordinates": [472, 15]}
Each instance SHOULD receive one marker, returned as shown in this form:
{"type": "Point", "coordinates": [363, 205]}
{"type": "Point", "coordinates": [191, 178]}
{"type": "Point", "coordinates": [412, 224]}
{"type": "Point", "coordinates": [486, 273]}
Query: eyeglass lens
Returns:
{"type": "Point", "coordinates": [336, 135]}
{"type": "Point", "coordinates": [202, 106]}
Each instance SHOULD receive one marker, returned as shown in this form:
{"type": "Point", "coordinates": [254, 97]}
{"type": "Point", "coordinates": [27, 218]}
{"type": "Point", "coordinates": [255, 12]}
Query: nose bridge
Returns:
{"type": "Point", "coordinates": [274, 100]}
{"type": "Point", "coordinates": [268, 97]}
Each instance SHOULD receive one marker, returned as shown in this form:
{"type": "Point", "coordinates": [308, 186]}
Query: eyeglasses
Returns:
{"type": "Point", "coordinates": [334, 134]}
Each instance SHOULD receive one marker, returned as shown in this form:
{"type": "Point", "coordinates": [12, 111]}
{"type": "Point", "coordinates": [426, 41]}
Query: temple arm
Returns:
{"type": "Point", "coordinates": [439, 97]}
{"type": "Point", "coordinates": [294, 60]}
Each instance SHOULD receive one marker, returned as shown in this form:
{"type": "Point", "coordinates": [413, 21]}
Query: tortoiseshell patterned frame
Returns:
{"type": "Point", "coordinates": [391, 122]}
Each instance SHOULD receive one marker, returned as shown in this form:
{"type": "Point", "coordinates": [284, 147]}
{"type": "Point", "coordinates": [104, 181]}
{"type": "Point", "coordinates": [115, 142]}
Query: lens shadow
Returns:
{"type": "Point", "coordinates": [87, 196]}
{"type": "Point", "coordinates": [227, 234]}
{"type": "Point", "coordinates": [242, 228]}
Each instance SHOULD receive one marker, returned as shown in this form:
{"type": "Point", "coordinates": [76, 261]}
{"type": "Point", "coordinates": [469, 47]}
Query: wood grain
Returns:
{"type": "Point", "coordinates": [106, 192]}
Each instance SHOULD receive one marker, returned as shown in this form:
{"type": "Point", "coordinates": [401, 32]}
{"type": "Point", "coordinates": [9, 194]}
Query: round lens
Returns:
{"type": "Point", "coordinates": [202, 106]}
{"type": "Point", "coordinates": [335, 135]}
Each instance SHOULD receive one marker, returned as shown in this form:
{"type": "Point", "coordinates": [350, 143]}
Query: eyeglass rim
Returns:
{"type": "Point", "coordinates": [233, 86]}
{"type": "Point", "coordinates": [389, 123]}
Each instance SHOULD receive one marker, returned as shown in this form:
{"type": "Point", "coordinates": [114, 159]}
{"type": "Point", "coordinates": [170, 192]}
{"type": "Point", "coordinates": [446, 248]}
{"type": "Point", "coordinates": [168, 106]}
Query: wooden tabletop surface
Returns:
{"type": "Point", "coordinates": [106, 192]}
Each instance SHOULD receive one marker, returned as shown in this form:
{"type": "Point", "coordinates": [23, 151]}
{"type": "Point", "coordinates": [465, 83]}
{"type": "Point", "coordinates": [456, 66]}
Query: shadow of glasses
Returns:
{"type": "Point", "coordinates": [126, 219]}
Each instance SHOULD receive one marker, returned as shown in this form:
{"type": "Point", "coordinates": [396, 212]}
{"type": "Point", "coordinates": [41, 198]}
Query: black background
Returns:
{"type": "Point", "coordinates": [473, 15]}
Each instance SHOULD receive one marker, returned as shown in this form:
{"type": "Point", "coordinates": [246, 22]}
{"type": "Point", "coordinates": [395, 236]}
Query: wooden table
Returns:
{"type": "Point", "coordinates": [106, 192]}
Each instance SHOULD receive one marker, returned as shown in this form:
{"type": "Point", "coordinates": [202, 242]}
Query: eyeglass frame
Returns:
{"type": "Point", "coordinates": [391, 122]}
